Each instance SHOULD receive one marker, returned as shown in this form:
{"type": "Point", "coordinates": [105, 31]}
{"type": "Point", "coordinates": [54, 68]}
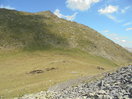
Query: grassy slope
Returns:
{"type": "Point", "coordinates": [14, 80]}
{"type": "Point", "coordinates": [37, 41]}
{"type": "Point", "coordinates": [45, 30]}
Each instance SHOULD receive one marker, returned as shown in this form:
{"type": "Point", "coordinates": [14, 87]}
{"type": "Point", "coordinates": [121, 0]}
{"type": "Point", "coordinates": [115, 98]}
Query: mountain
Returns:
{"type": "Point", "coordinates": [45, 30]}
{"type": "Point", "coordinates": [38, 50]}
{"type": "Point", "coordinates": [129, 49]}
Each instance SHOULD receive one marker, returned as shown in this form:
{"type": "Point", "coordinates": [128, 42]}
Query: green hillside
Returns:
{"type": "Point", "coordinates": [44, 30]}
{"type": "Point", "coordinates": [38, 50]}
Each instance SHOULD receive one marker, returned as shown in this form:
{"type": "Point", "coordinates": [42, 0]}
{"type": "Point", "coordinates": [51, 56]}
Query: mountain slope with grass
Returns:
{"type": "Point", "coordinates": [38, 50]}
{"type": "Point", "coordinates": [45, 30]}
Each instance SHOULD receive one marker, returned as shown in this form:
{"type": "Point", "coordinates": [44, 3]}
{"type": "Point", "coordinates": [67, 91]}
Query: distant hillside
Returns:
{"type": "Point", "coordinates": [129, 49]}
{"type": "Point", "coordinates": [44, 30]}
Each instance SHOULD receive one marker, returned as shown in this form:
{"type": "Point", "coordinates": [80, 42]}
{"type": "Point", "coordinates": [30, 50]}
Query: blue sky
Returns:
{"type": "Point", "coordinates": [112, 18]}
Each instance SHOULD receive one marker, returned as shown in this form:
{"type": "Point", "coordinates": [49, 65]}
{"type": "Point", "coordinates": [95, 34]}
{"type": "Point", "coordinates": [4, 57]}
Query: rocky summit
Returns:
{"type": "Point", "coordinates": [116, 85]}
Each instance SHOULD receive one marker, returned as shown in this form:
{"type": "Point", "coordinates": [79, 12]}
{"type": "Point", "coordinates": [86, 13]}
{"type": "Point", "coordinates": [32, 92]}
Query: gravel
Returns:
{"type": "Point", "coordinates": [116, 85]}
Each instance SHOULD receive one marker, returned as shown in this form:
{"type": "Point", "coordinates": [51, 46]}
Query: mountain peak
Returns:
{"type": "Point", "coordinates": [47, 13]}
{"type": "Point", "coordinates": [4, 9]}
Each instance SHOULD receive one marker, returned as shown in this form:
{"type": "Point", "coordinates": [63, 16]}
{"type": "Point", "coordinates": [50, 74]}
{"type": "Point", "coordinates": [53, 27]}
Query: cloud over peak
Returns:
{"type": "Point", "coordinates": [67, 17]}
{"type": "Point", "coordinates": [108, 9]}
{"type": "Point", "coordinates": [57, 13]}
{"type": "Point", "coordinates": [81, 5]}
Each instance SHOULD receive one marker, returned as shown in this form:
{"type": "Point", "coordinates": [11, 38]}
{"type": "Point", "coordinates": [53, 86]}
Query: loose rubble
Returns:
{"type": "Point", "coordinates": [116, 85]}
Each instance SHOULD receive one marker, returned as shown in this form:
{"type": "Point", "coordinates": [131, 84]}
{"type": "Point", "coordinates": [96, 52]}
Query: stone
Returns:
{"type": "Point", "coordinates": [102, 92]}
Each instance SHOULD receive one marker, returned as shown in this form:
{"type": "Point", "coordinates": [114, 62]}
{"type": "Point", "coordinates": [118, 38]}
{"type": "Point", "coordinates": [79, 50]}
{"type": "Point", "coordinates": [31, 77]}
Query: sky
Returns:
{"type": "Point", "coordinates": [111, 18]}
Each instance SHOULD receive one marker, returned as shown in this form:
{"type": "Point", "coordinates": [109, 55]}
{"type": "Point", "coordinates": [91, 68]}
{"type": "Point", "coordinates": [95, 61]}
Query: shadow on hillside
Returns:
{"type": "Point", "coordinates": [29, 30]}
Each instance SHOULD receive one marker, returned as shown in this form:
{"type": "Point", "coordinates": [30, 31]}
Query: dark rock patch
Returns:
{"type": "Point", "coordinates": [50, 69]}
{"type": "Point", "coordinates": [39, 71]}
{"type": "Point", "coordinates": [36, 72]}
{"type": "Point", "coordinates": [100, 68]}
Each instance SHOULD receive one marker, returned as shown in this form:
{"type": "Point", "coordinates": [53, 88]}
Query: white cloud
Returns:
{"type": "Point", "coordinates": [128, 23]}
{"type": "Point", "coordinates": [128, 29]}
{"type": "Point", "coordinates": [57, 12]}
{"type": "Point", "coordinates": [105, 31]}
{"type": "Point", "coordinates": [81, 5]}
{"type": "Point", "coordinates": [123, 41]}
{"type": "Point", "coordinates": [72, 17]}
{"type": "Point", "coordinates": [112, 35]}
{"type": "Point", "coordinates": [125, 9]}
{"type": "Point", "coordinates": [7, 7]}
{"type": "Point", "coordinates": [116, 38]}
{"type": "Point", "coordinates": [67, 17]}
{"type": "Point", "coordinates": [113, 18]}
{"type": "Point", "coordinates": [108, 9]}
{"type": "Point", "coordinates": [108, 12]}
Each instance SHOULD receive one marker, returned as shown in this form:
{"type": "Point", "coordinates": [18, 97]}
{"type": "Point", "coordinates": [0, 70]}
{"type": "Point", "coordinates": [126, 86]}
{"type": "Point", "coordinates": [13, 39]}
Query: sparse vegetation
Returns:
{"type": "Point", "coordinates": [15, 67]}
